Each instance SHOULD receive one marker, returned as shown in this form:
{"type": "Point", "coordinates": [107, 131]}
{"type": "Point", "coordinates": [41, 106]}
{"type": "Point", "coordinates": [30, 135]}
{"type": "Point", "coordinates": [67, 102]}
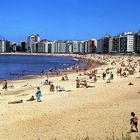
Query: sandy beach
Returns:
{"type": "Point", "coordinates": [100, 110]}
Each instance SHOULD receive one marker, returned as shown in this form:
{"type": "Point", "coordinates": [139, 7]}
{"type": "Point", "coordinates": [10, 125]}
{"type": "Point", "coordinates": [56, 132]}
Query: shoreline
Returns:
{"type": "Point", "coordinates": [87, 64]}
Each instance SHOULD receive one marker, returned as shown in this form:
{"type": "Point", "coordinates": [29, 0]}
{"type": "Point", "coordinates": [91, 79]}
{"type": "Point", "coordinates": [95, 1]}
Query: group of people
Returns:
{"type": "Point", "coordinates": [82, 83]}
{"type": "Point", "coordinates": [32, 98]}
{"type": "Point", "coordinates": [64, 77]}
{"type": "Point", "coordinates": [107, 73]}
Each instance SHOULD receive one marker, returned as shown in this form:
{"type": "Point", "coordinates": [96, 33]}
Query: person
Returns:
{"type": "Point", "coordinates": [95, 78]}
{"type": "Point", "coordinates": [134, 122]}
{"type": "Point", "coordinates": [16, 102]}
{"type": "Point", "coordinates": [38, 94]}
{"type": "Point", "coordinates": [46, 80]}
{"type": "Point", "coordinates": [66, 77]}
{"type": "Point", "coordinates": [5, 85]}
{"type": "Point", "coordinates": [42, 72]}
{"type": "Point", "coordinates": [62, 78]}
{"type": "Point", "coordinates": [31, 99]}
{"type": "Point", "coordinates": [111, 76]}
{"type": "Point", "coordinates": [77, 82]}
{"type": "Point", "coordinates": [52, 87]}
{"type": "Point", "coordinates": [104, 75]}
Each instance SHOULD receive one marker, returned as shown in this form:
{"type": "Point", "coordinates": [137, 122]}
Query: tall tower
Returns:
{"type": "Point", "coordinates": [32, 40]}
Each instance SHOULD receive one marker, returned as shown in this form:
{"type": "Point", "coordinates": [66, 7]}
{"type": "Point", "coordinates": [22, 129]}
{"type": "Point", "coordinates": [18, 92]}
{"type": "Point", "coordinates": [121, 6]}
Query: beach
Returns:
{"type": "Point", "coordinates": [100, 110]}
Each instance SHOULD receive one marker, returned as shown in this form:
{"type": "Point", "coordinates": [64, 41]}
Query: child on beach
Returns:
{"type": "Point", "coordinates": [38, 94]}
{"type": "Point", "coordinates": [134, 122]}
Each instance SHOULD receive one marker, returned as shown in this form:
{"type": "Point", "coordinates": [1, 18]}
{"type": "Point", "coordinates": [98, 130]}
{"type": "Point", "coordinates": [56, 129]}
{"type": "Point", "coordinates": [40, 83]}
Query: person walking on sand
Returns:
{"type": "Point", "coordinates": [38, 94]}
{"type": "Point", "coordinates": [134, 122]}
{"type": "Point", "coordinates": [5, 85]}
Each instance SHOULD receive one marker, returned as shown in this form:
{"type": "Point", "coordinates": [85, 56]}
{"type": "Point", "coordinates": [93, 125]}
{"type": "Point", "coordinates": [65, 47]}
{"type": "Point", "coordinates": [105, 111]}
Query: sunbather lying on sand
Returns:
{"type": "Point", "coordinates": [59, 88]}
{"type": "Point", "coordinates": [16, 102]}
{"type": "Point", "coordinates": [31, 99]}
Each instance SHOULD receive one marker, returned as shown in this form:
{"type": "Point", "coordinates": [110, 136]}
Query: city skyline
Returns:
{"type": "Point", "coordinates": [67, 20]}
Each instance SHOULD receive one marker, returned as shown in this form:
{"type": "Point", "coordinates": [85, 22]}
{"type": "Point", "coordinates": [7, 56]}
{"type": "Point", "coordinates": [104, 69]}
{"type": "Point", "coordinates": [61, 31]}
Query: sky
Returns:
{"type": "Point", "coordinates": [67, 19]}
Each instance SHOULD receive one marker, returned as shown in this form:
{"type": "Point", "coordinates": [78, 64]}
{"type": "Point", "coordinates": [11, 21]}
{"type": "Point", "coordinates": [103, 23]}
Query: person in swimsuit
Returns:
{"type": "Point", "coordinates": [31, 99]}
{"type": "Point", "coordinates": [134, 122]}
{"type": "Point", "coordinates": [16, 102]}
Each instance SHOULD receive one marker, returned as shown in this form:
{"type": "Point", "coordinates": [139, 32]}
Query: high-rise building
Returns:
{"type": "Point", "coordinates": [69, 47]}
{"type": "Point", "coordinates": [51, 46]}
{"type": "Point", "coordinates": [100, 45]}
{"type": "Point", "coordinates": [60, 46]}
{"type": "Point", "coordinates": [32, 40]}
{"type": "Point", "coordinates": [127, 42]}
{"type": "Point", "coordinates": [137, 42]}
{"type": "Point", "coordinates": [81, 45]}
{"type": "Point", "coordinates": [23, 46]}
{"type": "Point", "coordinates": [116, 44]}
{"type": "Point", "coordinates": [14, 46]}
{"type": "Point", "coordinates": [110, 44]}
{"type": "Point", "coordinates": [42, 47]}
{"type": "Point", "coordinates": [2, 46]}
{"type": "Point", "coordinates": [7, 46]}
{"type": "Point", "coordinates": [123, 43]}
{"type": "Point", "coordinates": [75, 46]}
{"type": "Point", "coordinates": [107, 44]}
{"type": "Point", "coordinates": [90, 46]}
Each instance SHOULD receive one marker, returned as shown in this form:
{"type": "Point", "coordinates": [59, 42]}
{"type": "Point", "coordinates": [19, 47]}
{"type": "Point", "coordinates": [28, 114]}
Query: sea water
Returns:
{"type": "Point", "coordinates": [14, 67]}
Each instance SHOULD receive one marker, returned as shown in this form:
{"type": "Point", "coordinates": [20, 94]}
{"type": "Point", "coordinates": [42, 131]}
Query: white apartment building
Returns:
{"type": "Point", "coordinates": [123, 43]}
{"type": "Point", "coordinates": [60, 47]}
{"type": "Point", "coordinates": [75, 47]}
{"type": "Point", "coordinates": [81, 47]}
{"type": "Point", "coordinates": [32, 41]}
{"type": "Point", "coordinates": [2, 46]}
{"type": "Point", "coordinates": [51, 46]}
{"type": "Point", "coordinates": [130, 43]}
{"type": "Point", "coordinates": [70, 47]}
{"type": "Point", "coordinates": [42, 47]}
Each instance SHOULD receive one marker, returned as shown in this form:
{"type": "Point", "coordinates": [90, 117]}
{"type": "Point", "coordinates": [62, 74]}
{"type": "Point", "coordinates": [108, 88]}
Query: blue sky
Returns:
{"type": "Point", "coordinates": [67, 19]}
